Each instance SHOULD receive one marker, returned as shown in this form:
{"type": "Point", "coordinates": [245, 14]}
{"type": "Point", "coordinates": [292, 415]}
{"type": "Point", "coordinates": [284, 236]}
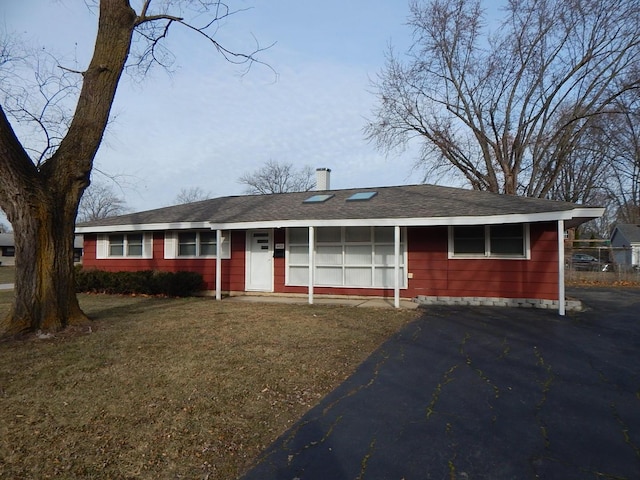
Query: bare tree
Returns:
{"type": "Point", "coordinates": [100, 201]}
{"type": "Point", "coordinates": [506, 110]}
{"type": "Point", "coordinates": [40, 193]}
{"type": "Point", "coordinates": [624, 176]}
{"type": "Point", "coordinates": [275, 177]}
{"type": "Point", "coordinates": [191, 194]}
{"type": "Point", "coordinates": [586, 174]}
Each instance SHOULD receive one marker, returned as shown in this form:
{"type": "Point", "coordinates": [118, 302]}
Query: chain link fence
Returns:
{"type": "Point", "coordinates": [601, 264]}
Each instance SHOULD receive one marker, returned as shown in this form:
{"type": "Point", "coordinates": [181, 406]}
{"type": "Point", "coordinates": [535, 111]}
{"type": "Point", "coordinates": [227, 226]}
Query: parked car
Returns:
{"type": "Point", "coordinates": [582, 261]}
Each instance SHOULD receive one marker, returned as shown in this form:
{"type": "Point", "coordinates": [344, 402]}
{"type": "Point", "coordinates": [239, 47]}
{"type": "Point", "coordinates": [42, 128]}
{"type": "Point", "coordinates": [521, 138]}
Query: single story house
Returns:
{"type": "Point", "coordinates": [415, 241]}
{"type": "Point", "coordinates": [625, 241]}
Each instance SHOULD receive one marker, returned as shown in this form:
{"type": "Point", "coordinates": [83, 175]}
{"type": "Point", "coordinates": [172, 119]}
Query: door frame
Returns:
{"type": "Point", "coordinates": [249, 262]}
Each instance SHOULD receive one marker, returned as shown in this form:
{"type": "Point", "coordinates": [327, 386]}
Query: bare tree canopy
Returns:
{"type": "Point", "coordinates": [275, 177]}
{"type": "Point", "coordinates": [100, 201]}
{"type": "Point", "coordinates": [41, 186]}
{"type": "Point", "coordinates": [507, 108]}
{"type": "Point", "coordinates": [191, 194]}
{"type": "Point", "coordinates": [623, 179]}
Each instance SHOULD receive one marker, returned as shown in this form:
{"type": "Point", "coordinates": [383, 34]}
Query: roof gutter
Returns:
{"type": "Point", "coordinates": [579, 215]}
{"type": "Point", "coordinates": [571, 217]}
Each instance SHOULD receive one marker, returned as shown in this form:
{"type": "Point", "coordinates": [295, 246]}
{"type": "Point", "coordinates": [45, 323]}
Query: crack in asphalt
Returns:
{"type": "Point", "coordinates": [625, 430]}
{"type": "Point", "coordinates": [311, 444]}
{"type": "Point", "coordinates": [376, 371]}
{"type": "Point", "coordinates": [546, 384]}
{"type": "Point", "coordinates": [365, 459]}
{"type": "Point", "coordinates": [438, 390]}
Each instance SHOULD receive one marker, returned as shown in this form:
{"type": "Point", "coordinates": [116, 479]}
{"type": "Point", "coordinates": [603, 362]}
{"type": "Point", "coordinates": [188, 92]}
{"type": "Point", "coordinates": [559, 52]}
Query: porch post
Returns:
{"type": "Point", "coordinates": [218, 264]}
{"type": "Point", "coordinates": [561, 297]}
{"type": "Point", "coordinates": [311, 262]}
{"type": "Point", "coordinates": [396, 266]}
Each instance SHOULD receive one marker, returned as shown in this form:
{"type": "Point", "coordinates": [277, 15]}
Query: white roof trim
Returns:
{"type": "Point", "coordinates": [420, 222]}
{"type": "Point", "coordinates": [144, 227]}
{"type": "Point", "coordinates": [364, 222]}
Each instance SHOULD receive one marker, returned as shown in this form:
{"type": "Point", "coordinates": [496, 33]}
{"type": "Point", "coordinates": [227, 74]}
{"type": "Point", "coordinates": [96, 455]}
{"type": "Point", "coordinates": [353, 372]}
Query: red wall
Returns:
{"type": "Point", "coordinates": [433, 273]}
{"type": "Point", "coordinates": [232, 272]}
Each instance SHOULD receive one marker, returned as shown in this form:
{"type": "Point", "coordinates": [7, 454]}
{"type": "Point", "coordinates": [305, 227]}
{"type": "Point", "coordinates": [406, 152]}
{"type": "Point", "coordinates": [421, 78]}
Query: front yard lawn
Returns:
{"type": "Point", "coordinates": [173, 388]}
{"type": "Point", "coordinates": [7, 274]}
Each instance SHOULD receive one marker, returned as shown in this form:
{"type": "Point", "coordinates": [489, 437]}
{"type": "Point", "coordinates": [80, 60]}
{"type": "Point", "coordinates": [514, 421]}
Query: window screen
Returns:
{"type": "Point", "coordinates": [468, 240]}
{"type": "Point", "coordinates": [507, 239]}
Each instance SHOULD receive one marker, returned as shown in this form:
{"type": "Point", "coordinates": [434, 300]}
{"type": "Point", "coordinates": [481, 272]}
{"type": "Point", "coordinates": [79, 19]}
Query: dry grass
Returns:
{"type": "Point", "coordinates": [173, 388]}
{"type": "Point", "coordinates": [7, 274]}
{"type": "Point", "coordinates": [602, 279]}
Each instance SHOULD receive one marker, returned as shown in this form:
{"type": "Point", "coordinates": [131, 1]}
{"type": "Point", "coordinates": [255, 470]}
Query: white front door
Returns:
{"type": "Point", "coordinates": [259, 269]}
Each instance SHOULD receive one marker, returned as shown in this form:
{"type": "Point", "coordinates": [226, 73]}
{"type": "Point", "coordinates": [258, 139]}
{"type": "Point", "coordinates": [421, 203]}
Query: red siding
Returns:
{"type": "Point", "coordinates": [433, 273]}
{"type": "Point", "coordinates": [236, 263]}
{"type": "Point", "coordinates": [280, 236]}
{"type": "Point", "coordinates": [232, 272]}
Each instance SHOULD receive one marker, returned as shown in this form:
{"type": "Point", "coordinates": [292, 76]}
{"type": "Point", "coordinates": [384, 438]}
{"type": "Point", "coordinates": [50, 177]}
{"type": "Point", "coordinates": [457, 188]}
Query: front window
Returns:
{"type": "Point", "coordinates": [188, 244]}
{"type": "Point", "coordinates": [126, 245]}
{"type": "Point", "coordinates": [469, 240]}
{"type": "Point", "coordinates": [200, 244]}
{"type": "Point", "coordinates": [134, 245]}
{"type": "Point", "coordinates": [489, 241]}
{"type": "Point", "coordinates": [116, 245]}
{"type": "Point", "coordinates": [507, 240]}
{"type": "Point", "coordinates": [345, 257]}
{"type": "Point", "coordinates": [208, 243]}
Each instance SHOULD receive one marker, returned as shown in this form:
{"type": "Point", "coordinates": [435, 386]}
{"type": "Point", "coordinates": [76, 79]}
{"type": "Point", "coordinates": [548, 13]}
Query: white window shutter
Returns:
{"type": "Point", "coordinates": [170, 244]}
{"type": "Point", "coordinates": [226, 244]}
{"type": "Point", "coordinates": [102, 246]}
{"type": "Point", "coordinates": [147, 245]}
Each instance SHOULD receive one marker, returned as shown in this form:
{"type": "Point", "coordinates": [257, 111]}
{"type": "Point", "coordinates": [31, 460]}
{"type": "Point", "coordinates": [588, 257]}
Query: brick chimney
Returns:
{"type": "Point", "coordinates": [323, 179]}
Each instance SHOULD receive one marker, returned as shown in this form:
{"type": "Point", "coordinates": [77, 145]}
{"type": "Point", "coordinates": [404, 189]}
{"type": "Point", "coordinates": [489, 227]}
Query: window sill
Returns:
{"type": "Point", "coordinates": [198, 257]}
{"type": "Point", "coordinates": [488, 257]}
{"type": "Point", "coordinates": [402, 287]}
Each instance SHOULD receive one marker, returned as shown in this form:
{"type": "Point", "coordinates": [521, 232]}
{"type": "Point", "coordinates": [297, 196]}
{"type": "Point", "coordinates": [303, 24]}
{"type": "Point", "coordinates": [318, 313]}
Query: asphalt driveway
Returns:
{"type": "Point", "coordinates": [482, 393]}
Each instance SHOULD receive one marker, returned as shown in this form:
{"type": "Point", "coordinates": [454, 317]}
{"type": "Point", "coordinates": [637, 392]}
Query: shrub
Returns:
{"type": "Point", "coordinates": [178, 284]}
{"type": "Point", "coordinates": [146, 282]}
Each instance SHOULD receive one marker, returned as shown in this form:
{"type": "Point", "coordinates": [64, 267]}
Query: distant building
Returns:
{"type": "Point", "coordinates": [625, 240]}
{"type": "Point", "coordinates": [8, 250]}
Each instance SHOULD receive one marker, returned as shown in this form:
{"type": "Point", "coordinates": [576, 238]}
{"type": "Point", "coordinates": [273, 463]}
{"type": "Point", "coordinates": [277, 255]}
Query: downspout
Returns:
{"type": "Point", "coordinates": [396, 266]}
{"type": "Point", "coordinates": [311, 262]}
{"type": "Point", "coordinates": [218, 264]}
{"type": "Point", "coordinates": [561, 296]}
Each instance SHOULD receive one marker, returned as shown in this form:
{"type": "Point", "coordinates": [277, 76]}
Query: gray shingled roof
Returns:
{"type": "Point", "coordinates": [408, 201]}
{"type": "Point", "coordinates": [630, 232]}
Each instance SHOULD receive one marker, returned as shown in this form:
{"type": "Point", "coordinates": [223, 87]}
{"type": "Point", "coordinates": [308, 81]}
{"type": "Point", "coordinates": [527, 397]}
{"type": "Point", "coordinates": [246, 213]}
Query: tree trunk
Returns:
{"type": "Point", "coordinates": [45, 283]}
{"type": "Point", "coordinates": [42, 202]}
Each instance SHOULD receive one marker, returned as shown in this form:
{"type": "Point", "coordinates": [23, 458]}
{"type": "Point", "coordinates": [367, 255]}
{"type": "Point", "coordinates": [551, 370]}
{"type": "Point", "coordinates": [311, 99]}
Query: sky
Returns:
{"type": "Point", "coordinates": [208, 122]}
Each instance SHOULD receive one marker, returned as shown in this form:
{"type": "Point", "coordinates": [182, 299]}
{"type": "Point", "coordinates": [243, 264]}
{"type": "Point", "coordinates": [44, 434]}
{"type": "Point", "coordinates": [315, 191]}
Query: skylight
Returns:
{"type": "Point", "coordinates": [318, 198]}
{"type": "Point", "coordinates": [361, 196]}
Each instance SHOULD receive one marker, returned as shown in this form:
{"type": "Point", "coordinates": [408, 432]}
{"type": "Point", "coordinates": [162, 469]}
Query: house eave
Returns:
{"type": "Point", "coordinates": [572, 218]}
{"type": "Point", "coordinates": [142, 227]}
{"type": "Point", "coordinates": [576, 216]}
